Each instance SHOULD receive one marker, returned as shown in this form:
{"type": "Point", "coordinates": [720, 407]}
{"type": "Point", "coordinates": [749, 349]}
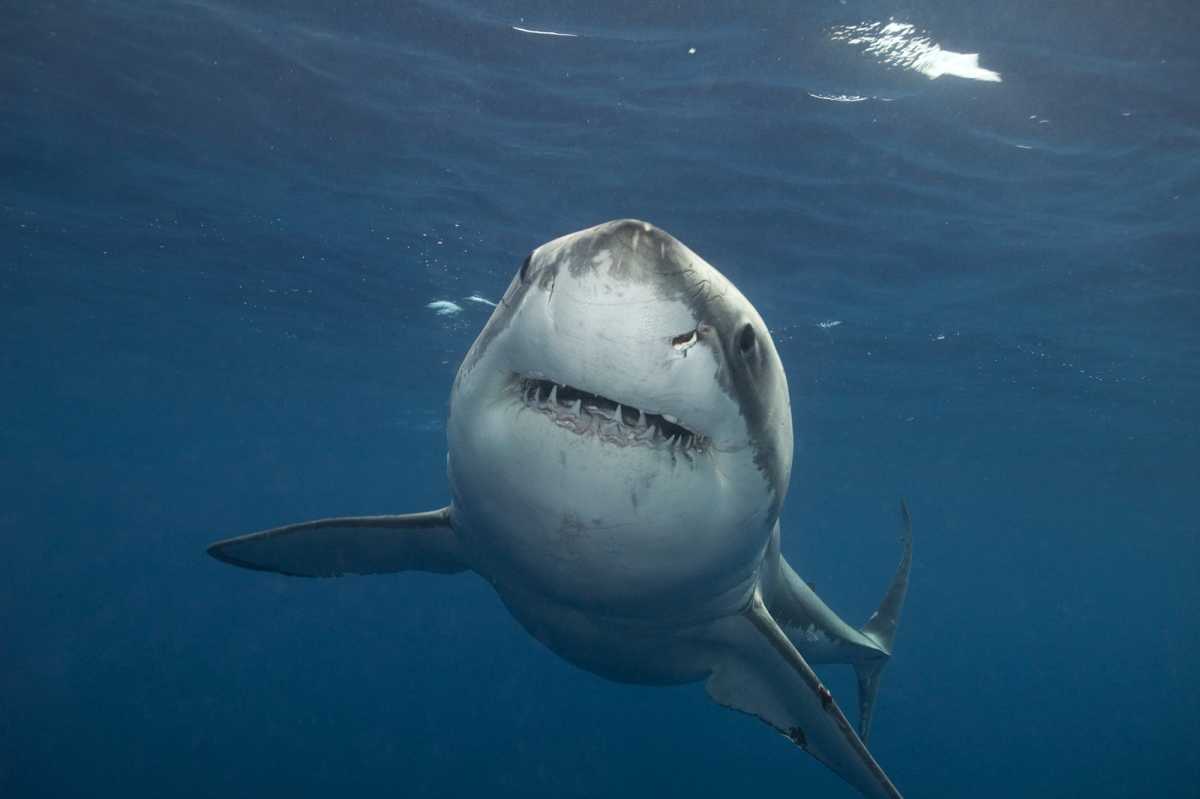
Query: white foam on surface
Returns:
{"type": "Point", "coordinates": [900, 44]}
{"type": "Point", "coordinates": [545, 33]}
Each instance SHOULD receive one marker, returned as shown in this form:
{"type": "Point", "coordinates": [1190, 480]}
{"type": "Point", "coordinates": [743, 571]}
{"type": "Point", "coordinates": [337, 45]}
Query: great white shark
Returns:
{"type": "Point", "coordinates": [620, 446]}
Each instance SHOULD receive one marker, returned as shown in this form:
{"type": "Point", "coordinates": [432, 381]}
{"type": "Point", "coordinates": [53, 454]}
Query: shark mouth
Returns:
{"type": "Point", "coordinates": [591, 414]}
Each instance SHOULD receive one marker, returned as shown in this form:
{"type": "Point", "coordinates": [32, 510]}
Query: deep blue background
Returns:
{"type": "Point", "coordinates": [220, 223]}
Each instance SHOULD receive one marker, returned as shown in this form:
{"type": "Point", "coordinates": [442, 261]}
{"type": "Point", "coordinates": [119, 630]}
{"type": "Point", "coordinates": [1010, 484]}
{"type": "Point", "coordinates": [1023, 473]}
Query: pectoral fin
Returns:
{"type": "Point", "coordinates": [759, 671]}
{"type": "Point", "coordinates": [350, 545]}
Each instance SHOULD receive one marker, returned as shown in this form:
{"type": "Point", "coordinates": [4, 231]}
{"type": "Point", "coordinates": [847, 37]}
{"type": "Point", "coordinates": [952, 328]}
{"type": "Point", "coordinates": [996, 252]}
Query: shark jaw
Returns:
{"type": "Point", "coordinates": [611, 422]}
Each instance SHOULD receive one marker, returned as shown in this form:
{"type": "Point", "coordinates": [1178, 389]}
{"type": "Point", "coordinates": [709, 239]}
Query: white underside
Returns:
{"type": "Point", "coordinates": [626, 530]}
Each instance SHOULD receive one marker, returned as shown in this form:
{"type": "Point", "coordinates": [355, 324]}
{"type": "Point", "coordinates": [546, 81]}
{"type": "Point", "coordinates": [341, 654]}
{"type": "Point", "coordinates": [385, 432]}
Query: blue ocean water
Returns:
{"type": "Point", "coordinates": [220, 227]}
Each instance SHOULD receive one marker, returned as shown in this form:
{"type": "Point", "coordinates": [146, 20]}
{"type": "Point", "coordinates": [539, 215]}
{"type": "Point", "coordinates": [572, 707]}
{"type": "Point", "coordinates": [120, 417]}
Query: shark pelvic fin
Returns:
{"type": "Point", "coordinates": [758, 670]}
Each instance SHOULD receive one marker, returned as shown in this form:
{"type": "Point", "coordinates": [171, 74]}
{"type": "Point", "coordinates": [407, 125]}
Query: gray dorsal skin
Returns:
{"type": "Point", "coordinates": [620, 446]}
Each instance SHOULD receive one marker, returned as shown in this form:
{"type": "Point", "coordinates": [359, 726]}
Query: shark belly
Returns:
{"type": "Point", "coordinates": [627, 649]}
{"type": "Point", "coordinates": [615, 529]}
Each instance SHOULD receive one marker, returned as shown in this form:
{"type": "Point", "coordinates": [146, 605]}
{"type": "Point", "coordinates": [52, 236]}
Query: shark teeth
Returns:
{"type": "Point", "coordinates": [614, 422]}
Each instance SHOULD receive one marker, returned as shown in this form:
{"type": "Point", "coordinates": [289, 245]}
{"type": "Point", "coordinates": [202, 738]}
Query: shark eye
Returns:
{"type": "Point", "coordinates": [524, 273]}
{"type": "Point", "coordinates": [746, 339]}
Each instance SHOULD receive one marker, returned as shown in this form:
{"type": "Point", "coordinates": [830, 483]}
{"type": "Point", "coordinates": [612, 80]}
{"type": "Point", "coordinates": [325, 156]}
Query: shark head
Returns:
{"type": "Point", "coordinates": [620, 432]}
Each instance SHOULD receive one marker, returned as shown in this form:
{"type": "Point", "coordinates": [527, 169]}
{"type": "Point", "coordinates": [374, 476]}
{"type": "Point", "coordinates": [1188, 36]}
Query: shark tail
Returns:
{"type": "Point", "coordinates": [881, 630]}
